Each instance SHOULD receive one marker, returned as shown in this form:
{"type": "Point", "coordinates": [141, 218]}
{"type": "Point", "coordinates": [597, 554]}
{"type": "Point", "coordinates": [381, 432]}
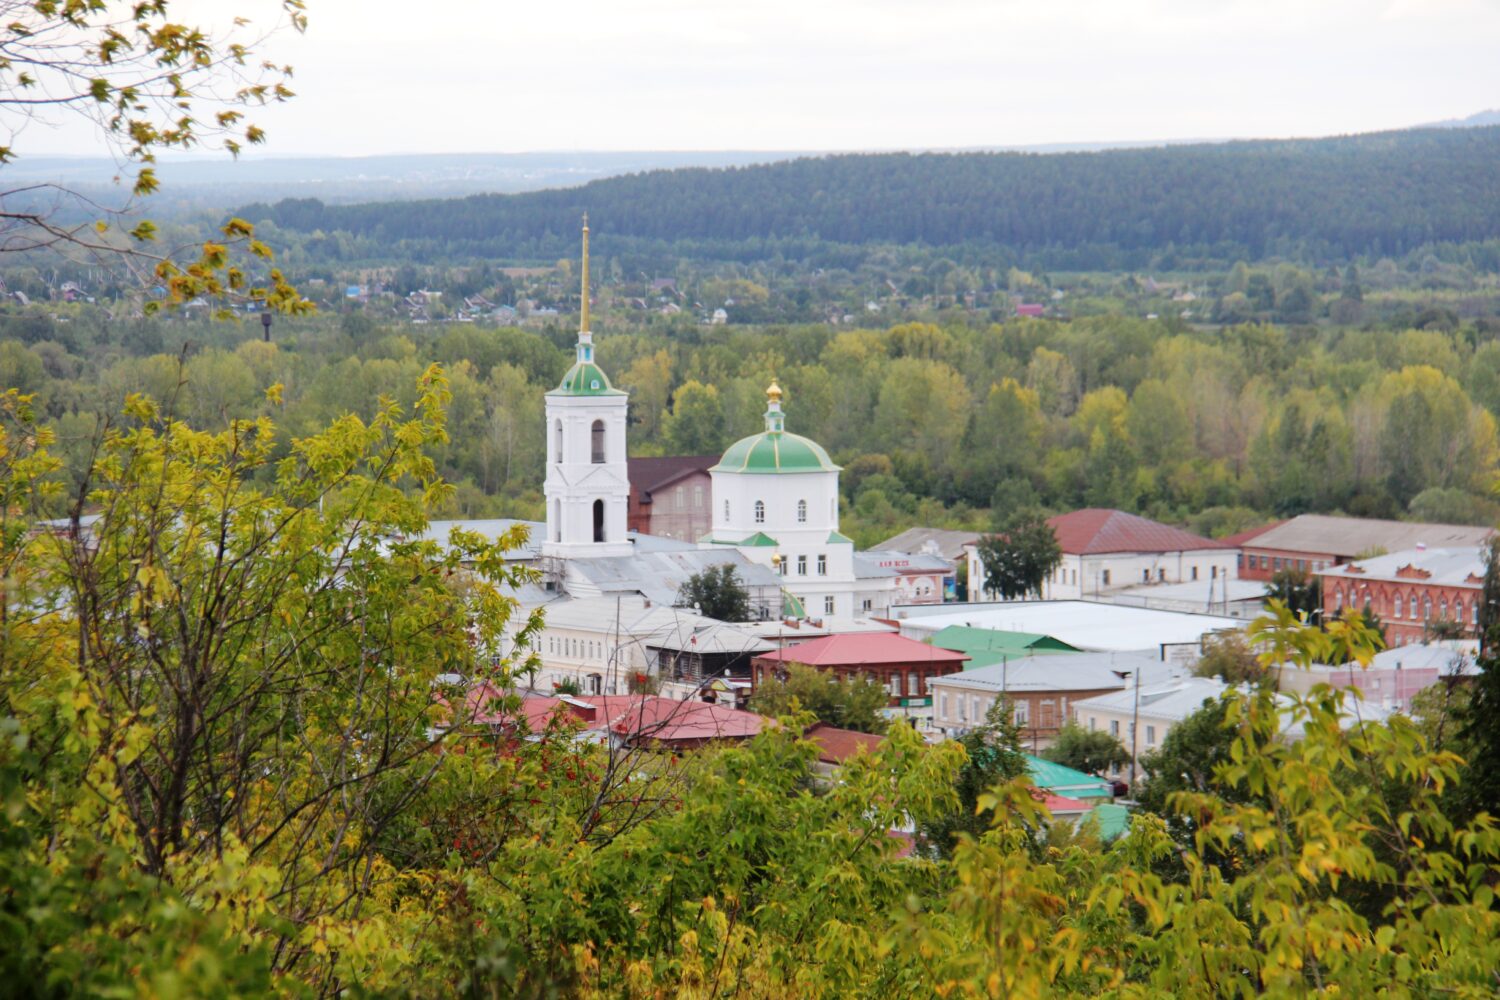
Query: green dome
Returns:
{"type": "Point", "coordinates": [586, 379]}
{"type": "Point", "coordinates": [775, 452]}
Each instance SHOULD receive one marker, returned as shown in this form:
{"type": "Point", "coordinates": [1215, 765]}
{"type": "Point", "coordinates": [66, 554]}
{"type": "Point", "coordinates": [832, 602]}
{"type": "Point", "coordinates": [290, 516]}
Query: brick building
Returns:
{"type": "Point", "coordinates": [1314, 542]}
{"type": "Point", "coordinates": [671, 497]}
{"type": "Point", "coordinates": [904, 666]}
{"type": "Point", "coordinates": [1409, 589]}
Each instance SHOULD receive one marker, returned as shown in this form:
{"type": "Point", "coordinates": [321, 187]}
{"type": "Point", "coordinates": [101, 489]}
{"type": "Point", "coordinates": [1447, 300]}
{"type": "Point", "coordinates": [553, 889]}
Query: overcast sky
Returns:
{"type": "Point", "coordinates": [383, 76]}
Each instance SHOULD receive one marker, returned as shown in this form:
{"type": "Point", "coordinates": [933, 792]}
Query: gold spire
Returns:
{"type": "Point", "coordinates": [583, 318]}
{"type": "Point", "coordinates": [773, 393]}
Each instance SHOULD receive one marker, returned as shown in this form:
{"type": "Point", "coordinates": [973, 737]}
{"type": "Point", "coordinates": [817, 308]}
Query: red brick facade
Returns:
{"type": "Point", "coordinates": [671, 497]}
{"type": "Point", "coordinates": [1405, 605]}
{"type": "Point", "coordinates": [1258, 563]}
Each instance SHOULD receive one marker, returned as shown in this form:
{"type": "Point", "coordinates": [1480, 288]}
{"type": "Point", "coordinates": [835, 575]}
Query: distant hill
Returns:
{"type": "Point", "coordinates": [1478, 120]}
{"type": "Point", "coordinates": [1381, 194]}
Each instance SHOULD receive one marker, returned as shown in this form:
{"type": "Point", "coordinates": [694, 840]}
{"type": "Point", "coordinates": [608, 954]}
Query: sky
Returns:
{"type": "Point", "coordinates": [391, 76]}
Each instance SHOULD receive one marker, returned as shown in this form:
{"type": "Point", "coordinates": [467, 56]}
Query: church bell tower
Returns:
{"type": "Point", "coordinates": [587, 485]}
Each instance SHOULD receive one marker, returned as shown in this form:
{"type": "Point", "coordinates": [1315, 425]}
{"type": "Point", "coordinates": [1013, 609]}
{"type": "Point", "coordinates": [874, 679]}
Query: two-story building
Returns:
{"type": "Point", "coordinates": [1410, 591]}
{"type": "Point", "coordinates": [671, 497]}
{"type": "Point", "coordinates": [1312, 543]}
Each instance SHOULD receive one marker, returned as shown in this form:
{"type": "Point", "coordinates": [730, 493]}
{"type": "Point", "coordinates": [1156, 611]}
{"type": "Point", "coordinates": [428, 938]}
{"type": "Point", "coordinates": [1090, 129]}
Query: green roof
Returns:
{"type": "Point", "coordinates": [834, 538]}
{"type": "Point", "coordinates": [760, 540]}
{"type": "Point", "coordinates": [791, 607]}
{"type": "Point", "coordinates": [586, 379]}
{"type": "Point", "coordinates": [966, 639]}
{"type": "Point", "coordinates": [773, 452]}
{"type": "Point", "coordinates": [1067, 782]}
{"type": "Point", "coordinates": [1113, 820]}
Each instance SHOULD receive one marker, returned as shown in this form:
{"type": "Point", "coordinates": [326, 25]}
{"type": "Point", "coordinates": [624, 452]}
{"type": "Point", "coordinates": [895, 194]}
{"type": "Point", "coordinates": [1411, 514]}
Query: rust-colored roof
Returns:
{"type": "Point", "coordinates": [1095, 530]}
{"type": "Point", "coordinates": [648, 474]}
{"type": "Point", "coordinates": [865, 649]}
{"type": "Point", "coordinates": [837, 745]}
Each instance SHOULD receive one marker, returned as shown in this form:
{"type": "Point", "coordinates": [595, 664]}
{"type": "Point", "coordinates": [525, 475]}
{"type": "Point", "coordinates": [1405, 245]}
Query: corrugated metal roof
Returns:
{"type": "Point", "coordinates": [1460, 567]}
{"type": "Point", "coordinates": [1347, 537]}
{"type": "Point", "coordinates": [1060, 780]}
{"type": "Point", "coordinates": [944, 542]}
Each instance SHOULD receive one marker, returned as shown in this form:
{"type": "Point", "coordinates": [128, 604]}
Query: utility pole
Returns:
{"type": "Point", "coordinates": [1135, 725]}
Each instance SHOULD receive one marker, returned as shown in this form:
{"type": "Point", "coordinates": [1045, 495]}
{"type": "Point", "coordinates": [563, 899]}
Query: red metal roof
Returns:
{"type": "Point", "coordinates": [864, 649]}
{"type": "Point", "coordinates": [1096, 530]}
{"type": "Point", "coordinates": [664, 720]}
{"type": "Point", "coordinates": [837, 745]}
{"type": "Point", "coordinates": [652, 473]}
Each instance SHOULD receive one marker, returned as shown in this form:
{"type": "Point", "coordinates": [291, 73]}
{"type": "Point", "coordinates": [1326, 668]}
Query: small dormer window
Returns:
{"type": "Point", "coordinates": [594, 384]}
{"type": "Point", "coordinates": [760, 512]}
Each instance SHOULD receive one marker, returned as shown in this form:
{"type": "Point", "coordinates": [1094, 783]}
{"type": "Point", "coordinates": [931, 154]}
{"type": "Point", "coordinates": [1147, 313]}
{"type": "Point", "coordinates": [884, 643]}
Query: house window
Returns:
{"type": "Point", "coordinates": [867, 605]}
{"type": "Point", "coordinates": [963, 709]}
{"type": "Point", "coordinates": [598, 439]}
{"type": "Point", "coordinates": [679, 497]}
{"type": "Point", "coordinates": [1161, 574]}
{"type": "Point", "coordinates": [943, 704]}
{"type": "Point", "coordinates": [1150, 736]}
{"type": "Point", "coordinates": [822, 564]}
{"type": "Point", "coordinates": [1396, 606]}
{"type": "Point", "coordinates": [1413, 606]}
{"type": "Point", "coordinates": [1213, 573]}
{"type": "Point", "coordinates": [697, 498]}
{"type": "Point", "coordinates": [1195, 572]}
{"type": "Point", "coordinates": [781, 566]}
{"type": "Point", "coordinates": [1443, 609]}
{"type": "Point", "coordinates": [1338, 600]}
{"type": "Point", "coordinates": [801, 511]}
{"type": "Point", "coordinates": [802, 565]}
{"type": "Point", "coordinates": [1023, 712]}
{"type": "Point", "coordinates": [828, 605]}
{"type": "Point", "coordinates": [760, 512]}
{"type": "Point", "coordinates": [1114, 728]}
{"type": "Point", "coordinates": [974, 708]}
{"type": "Point", "coordinates": [1093, 723]}
{"type": "Point", "coordinates": [913, 683]}
{"type": "Point", "coordinates": [1106, 578]}
{"type": "Point", "coordinates": [1474, 612]}
{"type": "Point", "coordinates": [1145, 576]}
{"type": "Point", "coordinates": [1426, 608]}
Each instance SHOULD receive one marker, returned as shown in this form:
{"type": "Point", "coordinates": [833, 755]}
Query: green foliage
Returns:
{"type": "Point", "coordinates": [1298, 589]}
{"type": "Point", "coordinates": [1229, 657]}
{"type": "Point", "coordinates": [992, 756]}
{"type": "Point", "coordinates": [1020, 555]}
{"type": "Point", "coordinates": [848, 703]}
{"type": "Point", "coordinates": [718, 593]}
{"type": "Point", "coordinates": [1092, 751]}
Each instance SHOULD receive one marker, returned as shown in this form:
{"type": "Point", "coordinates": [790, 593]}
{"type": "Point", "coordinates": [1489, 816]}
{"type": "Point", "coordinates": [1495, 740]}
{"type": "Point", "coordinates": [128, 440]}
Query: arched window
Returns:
{"type": "Point", "coordinates": [598, 439]}
{"type": "Point", "coordinates": [1413, 606]}
{"type": "Point", "coordinates": [598, 520]}
{"type": "Point", "coordinates": [726, 511]}
{"type": "Point", "coordinates": [1443, 609]}
{"type": "Point", "coordinates": [801, 511]}
{"type": "Point", "coordinates": [1338, 600]}
{"type": "Point", "coordinates": [557, 442]}
{"type": "Point", "coordinates": [1367, 599]}
{"type": "Point", "coordinates": [760, 512]}
{"type": "Point", "coordinates": [1397, 606]}
{"type": "Point", "coordinates": [1458, 610]}
{"type": "Point", "coordinates": [1426, 608]}
{"type": "Point", "coordinates": [557, 520]}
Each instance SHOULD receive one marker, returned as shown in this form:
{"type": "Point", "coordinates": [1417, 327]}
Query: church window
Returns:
{"type": "Point", "coordinates": [802, 565]}
{"type": "Point", "coordinates": [760, 512]}
{"type": "Point", "coordinates": [598, 438]}
{"type": "Point", "coordinates": [822, 565]}
{"type": "Point", "coordinates": [726, 511]}
{"type": "Point", "coordinates": [557, 520]}
{"type": "Point", "coordinates": [828, 605]}
{"type": "Point", "coordinates": [557, 442]}
{"type": "Point", "coordinates": [598, 520]}
{"type": "Point", "coordinates": [801, 511]}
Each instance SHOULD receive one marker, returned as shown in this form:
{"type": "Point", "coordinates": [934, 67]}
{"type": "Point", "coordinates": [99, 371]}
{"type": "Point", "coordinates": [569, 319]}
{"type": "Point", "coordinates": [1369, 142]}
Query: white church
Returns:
{"type": "Point", "coordinates": [776, 493]}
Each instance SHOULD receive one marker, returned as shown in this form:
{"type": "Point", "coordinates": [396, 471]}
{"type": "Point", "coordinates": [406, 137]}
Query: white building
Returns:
{"type": "Point", "coordinates": [587, 486]}
{"type": "Point", "coordinates": [776, 499]}
{"type": "Point", "coordinates": [1108, 550]}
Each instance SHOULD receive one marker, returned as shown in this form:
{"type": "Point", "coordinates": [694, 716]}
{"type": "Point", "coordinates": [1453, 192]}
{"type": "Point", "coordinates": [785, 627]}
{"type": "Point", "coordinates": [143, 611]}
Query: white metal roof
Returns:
{"type": "Point", "coordinates": [1087, 625]}
{"type": "Point", "coordinates": [1063, 672]}
{"type": "Point", "coordinates": [1452, 567]}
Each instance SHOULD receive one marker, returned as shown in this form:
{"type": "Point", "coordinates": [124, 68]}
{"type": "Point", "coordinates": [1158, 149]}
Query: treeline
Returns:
{"type": "Point", "coordinates": [1317, 200]}
{"type": "Point", "coordinates": [933, 424]}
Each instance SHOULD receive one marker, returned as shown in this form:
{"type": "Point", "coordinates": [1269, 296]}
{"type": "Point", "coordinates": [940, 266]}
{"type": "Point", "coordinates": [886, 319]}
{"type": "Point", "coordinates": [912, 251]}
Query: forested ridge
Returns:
{"type": "Point", "coordinates": [1381, 194]}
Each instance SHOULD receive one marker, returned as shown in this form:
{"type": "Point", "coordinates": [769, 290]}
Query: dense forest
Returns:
{"type": "Point", "coordinates": [933, 423]}
{"type": "Point", "coordinates": [1313, 200]}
